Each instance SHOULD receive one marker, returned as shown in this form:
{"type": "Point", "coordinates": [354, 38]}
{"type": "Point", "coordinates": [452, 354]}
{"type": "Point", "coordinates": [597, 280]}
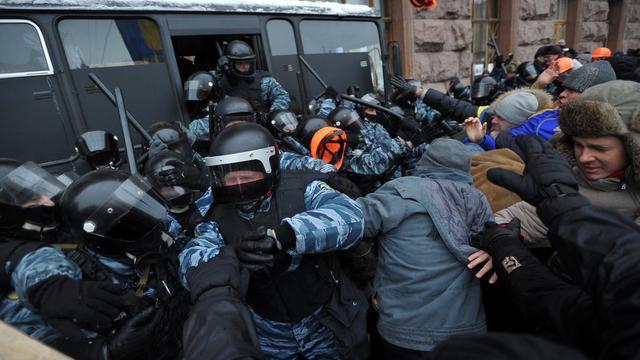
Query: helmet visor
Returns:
{"type": "Point", "coordinates": [128, 214]}
{"type": "Point", "coordinates": [238, 118]}
{"type": "Point", "coordinates": [29, 185]}
{"type": "Point", "coordinates": [242, 177]}
{"type": "Point", "coordinates": [482, 90]}
{"type": "Point", "coordinates": [243, 67]}
{"type": "Point", "coordinates": [198, 89]}
{"type": "Point", "coordinates": [177, 197]}
{"type": "Point", "coordinates": [285, 122]}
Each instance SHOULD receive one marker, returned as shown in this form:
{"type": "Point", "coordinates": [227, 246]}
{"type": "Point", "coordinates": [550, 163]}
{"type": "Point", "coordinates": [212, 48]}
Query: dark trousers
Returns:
{"type": "Point", "coordinates": [392, 352]}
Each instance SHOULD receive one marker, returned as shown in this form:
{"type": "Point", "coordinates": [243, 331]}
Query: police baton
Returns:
{"type": "Point", "coordinates": [128, 144]}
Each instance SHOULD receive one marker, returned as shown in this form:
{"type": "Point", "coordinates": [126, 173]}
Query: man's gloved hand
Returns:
{"type": "Point", "coordinates": [406, 90]}
{"type": "Point", "coordinates": [137, 337]}
{"type": "Point", "coordinates": [179, 173]}
{"type": "Point", "coordinates": [497, 235]}
{"type": "Point", "coordinates": [223, 63]}
{"type": "Point", "coordinates": [547, 182]}
{"type": "Point", "coordinates": [410, 124]}
{"type": "Point", "coordinates": [504, 243]}
{"type": "Point", "coordinates": [91, 305]}
{"type": "Point", "coordinates": [257, 248]}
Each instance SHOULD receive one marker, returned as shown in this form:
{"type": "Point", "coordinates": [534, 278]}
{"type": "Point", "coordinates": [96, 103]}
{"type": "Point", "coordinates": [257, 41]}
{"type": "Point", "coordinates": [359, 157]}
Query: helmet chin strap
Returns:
{"type": "Point", "coordinates": [252, 206]}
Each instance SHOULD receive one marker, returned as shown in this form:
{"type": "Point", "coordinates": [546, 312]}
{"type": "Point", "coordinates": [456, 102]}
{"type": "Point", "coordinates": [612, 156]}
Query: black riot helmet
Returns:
{"type": "Point", "coordinates": [285, 122]}
{"type": "Point", "coordinates": [239, 52]}
{"type": "Point", "coordinates": [199, 86]}
{"type": "Point", "coordinates": [27, 194]}
{"type": "Point", "coordinates": [99, 148]}
{"type": "Point", "coordinates": [173, 135]}
{"type": "Point", "coordinates": [308, 127]}
{"type": "Point", "coordinates": [527, 73]}
{"type": "Point", "coordinates": [346, 119]}
{"type": "Point", "coordinates": [229, 111]}
{"type": "Point", "coordinates": [114, 214]}
{"type": "Point", "coordinates": [178, 198]}
{"type": "Point", "coordinates": [244, 163]}
{"type": "Point", "coordinates": [483, 90]}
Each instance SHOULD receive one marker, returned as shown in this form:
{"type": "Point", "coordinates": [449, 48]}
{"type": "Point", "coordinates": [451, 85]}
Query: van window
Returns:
{"type": "Point", "coordinates": [99, 43]}
{"type": "Point", "coordinates": [345, 37]}
{"type": "Point", "coordinates": [281, 39]}
{"type": "Point", "coordinates": [24, 52]}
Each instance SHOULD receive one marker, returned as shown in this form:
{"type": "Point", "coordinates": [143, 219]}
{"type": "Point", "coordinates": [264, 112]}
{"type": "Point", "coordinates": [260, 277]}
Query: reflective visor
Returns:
{"type": "Point", "coordinates": [29, 184]}
{"type": "Point", "coordinates": [128, 214]}
{"type": "Point", "coordinates": [197, 89]}
{"type": "Point", "coordinates": [286, 123]}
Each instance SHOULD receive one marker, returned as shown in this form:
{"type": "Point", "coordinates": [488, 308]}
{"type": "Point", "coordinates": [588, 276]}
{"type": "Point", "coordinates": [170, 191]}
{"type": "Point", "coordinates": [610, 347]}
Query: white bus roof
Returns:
{"type": "Point", "coordinates": [238, 6]}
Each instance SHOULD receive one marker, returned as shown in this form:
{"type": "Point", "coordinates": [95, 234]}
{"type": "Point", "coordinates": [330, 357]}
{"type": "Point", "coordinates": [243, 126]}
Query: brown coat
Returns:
{"type": "Point", "coordinates": [498, 197]}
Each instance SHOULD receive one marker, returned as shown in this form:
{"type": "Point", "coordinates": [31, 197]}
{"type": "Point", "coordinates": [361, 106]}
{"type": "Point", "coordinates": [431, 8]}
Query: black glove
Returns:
{"type": "Point", "coordinates": [223, 64]}
{"type": "Point", "coordinates": [330, 93]}
{"type": "Point", "coordinates": [504, 243]}
{"type": "Point", "coordinates": [406, 90]}
{"type": "Point", "coordinates": [497, 235]}
{"type": "Point", "coordinates": [547, 182]}
{"type": "Point", "coordinates": [179, 173]}
{"type": "Point", "coordinates": [257, 248]}
{"type": "Point", "coordinates": [344, 185]}
{"type": "Point", "coordinates": [91, 305]}
{"type": "Point", "coordinates": [137, 336]}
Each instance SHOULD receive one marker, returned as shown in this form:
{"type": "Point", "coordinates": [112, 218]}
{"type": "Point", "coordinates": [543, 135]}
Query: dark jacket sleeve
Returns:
{"type": "Point", "coordinates": [450, 107]}
{"type": "Point", "coordinates": [601, 252]}
{"type": "Point", "coordinates": [547, 302]}
{"type": "Point", "coordinates": [219, 325]}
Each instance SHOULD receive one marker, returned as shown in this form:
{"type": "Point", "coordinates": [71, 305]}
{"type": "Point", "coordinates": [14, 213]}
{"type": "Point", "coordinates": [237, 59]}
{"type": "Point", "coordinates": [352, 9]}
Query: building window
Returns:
{"type": "Point", "coordinates": [24, 51]}
{"type": "Point", "coordinates": [560, 21]}
{"type": "Point", "coordinates": [97, 43]}
{"type": "Point", "coordinates": [485, 25]}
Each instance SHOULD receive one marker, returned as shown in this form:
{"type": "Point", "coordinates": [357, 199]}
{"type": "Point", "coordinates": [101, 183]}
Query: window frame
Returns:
{"type": "Point", "coordinates": [492, 28]}
{"type": "Point", "coordinates": [47, 57]}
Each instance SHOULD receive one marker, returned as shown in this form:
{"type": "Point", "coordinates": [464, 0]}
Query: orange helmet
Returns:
{"type": "Point", "coordinates": [563, 65]}
{"type": "Point", "coordinates": [426, 4]}
{"type": "Point", "coordinates": [601, 52]}
{"type": "Point", "coordinates": [329, 144]}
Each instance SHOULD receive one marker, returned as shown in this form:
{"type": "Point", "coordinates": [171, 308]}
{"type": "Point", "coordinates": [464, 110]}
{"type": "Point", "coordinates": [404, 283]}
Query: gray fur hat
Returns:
{"type": "Point", "coordinates": [590, 74]}
{"type": "Point", "coordinates": [611, 108]}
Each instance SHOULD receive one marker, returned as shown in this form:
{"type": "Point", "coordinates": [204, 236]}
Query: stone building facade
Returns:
{"type": "Point", "coordinates": [438, 44]}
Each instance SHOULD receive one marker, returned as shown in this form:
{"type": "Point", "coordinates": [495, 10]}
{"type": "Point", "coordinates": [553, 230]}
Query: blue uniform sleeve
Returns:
{"type": "Point", "coordinates": [331, 222]}
{"type": "Point", "coordinates": [375, 158]}
{"type": "Point", "coordinates": [200, 128]}
{"type": "Point", "coordinates": [205, 245]}
{"type": "Point", "coordinates": [273, 93]}
{"type": "Point", "coordinates": [40, 265]}
{"type": "Point", "coordinates": [326, 107]}
{"type": "Point", "coordinates": [294, 162]}
{"type": "Point", "coordinates": [424, 113]}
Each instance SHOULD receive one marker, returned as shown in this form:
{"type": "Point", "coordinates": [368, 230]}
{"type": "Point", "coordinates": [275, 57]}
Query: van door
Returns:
{"type": "Point", "coordinates": [34, 122]}
{"type": "Point", "coordinates": [124, 52]}
{"type": "Point", "coordinates": [284, 60]}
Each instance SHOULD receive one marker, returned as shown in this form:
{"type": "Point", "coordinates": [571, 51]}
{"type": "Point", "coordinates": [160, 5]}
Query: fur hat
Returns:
{"type": "Point", "coordinates": [612, 108]}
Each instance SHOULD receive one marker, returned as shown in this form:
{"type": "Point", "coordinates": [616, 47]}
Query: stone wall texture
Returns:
{"type": "Point", "coordinates": [632, 27]}
{"type": "Point", "coordinates": [442, 41]}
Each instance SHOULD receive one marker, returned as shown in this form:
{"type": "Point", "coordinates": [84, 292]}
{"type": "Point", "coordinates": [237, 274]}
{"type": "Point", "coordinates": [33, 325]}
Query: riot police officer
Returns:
{"type": "Point", "coordinates": [284, 228]}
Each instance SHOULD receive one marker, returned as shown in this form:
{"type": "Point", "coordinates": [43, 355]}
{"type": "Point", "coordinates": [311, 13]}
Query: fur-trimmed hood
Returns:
{"type": "Point", "coordinates": [545, 101]}
{"type": "Point", "coordinates": [611, 108]}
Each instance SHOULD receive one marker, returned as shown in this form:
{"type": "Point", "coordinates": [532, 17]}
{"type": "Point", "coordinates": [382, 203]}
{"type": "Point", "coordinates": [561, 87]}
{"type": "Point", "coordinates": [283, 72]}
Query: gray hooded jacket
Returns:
{"type": "Point", "coordinates": [423, 224]}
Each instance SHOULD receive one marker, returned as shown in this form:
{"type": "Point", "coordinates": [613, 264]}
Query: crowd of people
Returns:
{"type": "Point", "coordinates": [497, 221]}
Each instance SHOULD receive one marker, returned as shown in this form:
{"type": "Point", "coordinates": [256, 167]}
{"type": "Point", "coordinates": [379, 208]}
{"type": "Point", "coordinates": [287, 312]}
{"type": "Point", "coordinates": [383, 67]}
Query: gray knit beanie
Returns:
{"type": "Point", "coordinates": [517, 108]}
{"type": "Point", "coordinates": [444, 152]}
{"type": "Point", "coordinates": [590, 74]}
